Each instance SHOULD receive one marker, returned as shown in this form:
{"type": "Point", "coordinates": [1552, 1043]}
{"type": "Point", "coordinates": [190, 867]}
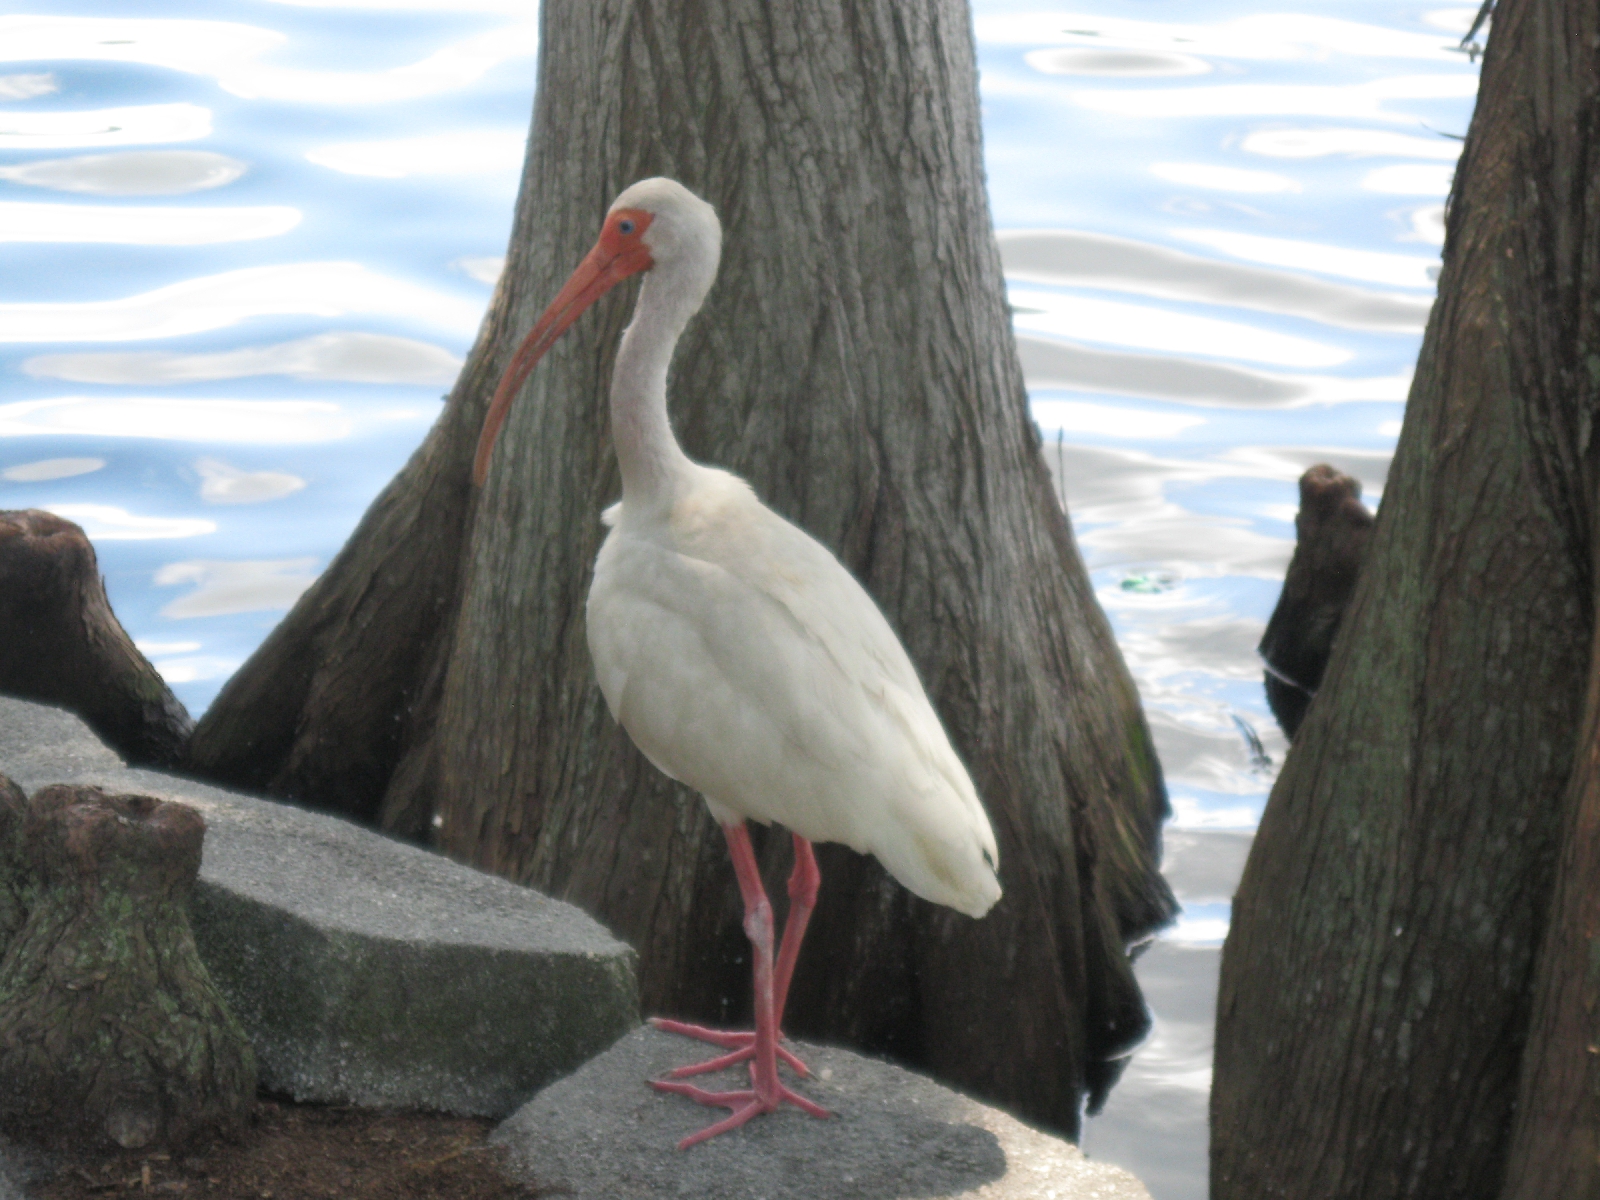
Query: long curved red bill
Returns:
{"type": "Point", "coordinates": [618, 254]}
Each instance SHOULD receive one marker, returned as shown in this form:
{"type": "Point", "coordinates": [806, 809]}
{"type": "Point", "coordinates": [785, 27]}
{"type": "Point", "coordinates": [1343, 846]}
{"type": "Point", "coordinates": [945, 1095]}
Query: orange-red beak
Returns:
{"type": "Point", "coordinates": [619, 253]}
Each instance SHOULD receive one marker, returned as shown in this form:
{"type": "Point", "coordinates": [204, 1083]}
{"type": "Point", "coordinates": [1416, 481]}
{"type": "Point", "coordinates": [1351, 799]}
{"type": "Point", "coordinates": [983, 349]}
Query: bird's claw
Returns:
{"type": "Point", "coordinates": [742, 1045]}
{"type": "Point", "coordinates": [745, 1104]}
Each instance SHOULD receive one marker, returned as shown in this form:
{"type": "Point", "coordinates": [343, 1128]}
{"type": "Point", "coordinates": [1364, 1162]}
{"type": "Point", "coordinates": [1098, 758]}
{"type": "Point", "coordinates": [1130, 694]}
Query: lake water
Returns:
{"type": "Point", "coordinates": [247, 244]}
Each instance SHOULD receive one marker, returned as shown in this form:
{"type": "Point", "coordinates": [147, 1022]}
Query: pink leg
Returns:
{"type": "Point", "coordinates": [766, 1092]}
{"type": "Point", "coordinates": [804, 881]}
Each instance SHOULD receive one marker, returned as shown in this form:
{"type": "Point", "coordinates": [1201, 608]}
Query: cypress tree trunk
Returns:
{"type": "Point", "coordinates": [855, 363]}
{"type": "Point", "coordinates": [1555, 1139]}
{"type": "Point", "coordinates": [1374, 1014]}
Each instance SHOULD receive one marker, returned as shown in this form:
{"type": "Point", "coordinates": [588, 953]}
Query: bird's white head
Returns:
{"type": "Point", "coordinates": [656, 225]}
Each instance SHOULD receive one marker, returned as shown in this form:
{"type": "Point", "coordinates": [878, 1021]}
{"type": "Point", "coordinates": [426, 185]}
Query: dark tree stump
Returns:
{"type": "Point", "coordinates": [60, 643]}
{"type": "Point", "coordinates": [109, 1024]}
{"type": "Point", "coordinates": [1331, 534]}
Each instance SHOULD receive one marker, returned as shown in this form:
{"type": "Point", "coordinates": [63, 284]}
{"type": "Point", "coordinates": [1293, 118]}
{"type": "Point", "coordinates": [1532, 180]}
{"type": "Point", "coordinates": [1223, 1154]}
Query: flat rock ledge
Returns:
{"type": "Point", "coordinates": [604, 1134]}
{"type": "Point", "coordinates": [364, 970]}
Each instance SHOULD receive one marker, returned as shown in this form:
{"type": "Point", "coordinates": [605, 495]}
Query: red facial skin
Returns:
{"type": "Point", "coordinates": [615, 256]}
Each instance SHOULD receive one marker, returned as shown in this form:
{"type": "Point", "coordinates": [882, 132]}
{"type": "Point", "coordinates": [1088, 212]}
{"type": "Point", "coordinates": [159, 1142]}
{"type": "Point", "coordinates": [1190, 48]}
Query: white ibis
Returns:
{"type": "Point", "coordinates": [740, 656]}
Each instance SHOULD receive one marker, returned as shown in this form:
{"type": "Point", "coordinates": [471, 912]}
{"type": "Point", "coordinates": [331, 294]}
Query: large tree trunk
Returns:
{"type": "Point", "coordinates": [855, 362]}
{"type": "Point", "coordinates": [1377, 983]}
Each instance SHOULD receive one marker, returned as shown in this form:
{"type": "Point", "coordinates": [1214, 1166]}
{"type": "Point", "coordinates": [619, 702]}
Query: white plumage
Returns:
{"type": "Point", "coordinates": [745, 662]}
{"type": "Point", "coordinates": [739, 655]}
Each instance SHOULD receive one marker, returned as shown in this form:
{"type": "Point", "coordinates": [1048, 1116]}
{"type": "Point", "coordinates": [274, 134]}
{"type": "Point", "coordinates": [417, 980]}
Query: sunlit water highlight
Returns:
{"type": "Point", "coordinates": [249, 242]}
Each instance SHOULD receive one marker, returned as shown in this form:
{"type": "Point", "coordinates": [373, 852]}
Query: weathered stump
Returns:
{"type": "Point", "coordinates": [60, 643]}
{"type": "Point", "coordinates": [1331, 531]}
{"type": "Point", "coordinates": [109, 1023]}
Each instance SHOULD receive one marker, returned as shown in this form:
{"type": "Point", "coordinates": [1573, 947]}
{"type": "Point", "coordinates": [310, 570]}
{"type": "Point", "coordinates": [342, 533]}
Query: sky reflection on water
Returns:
{"type": "Point", "coordinates": [249, 243]}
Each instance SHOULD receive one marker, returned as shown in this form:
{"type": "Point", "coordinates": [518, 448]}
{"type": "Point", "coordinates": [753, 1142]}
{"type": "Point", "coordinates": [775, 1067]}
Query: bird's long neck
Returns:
{"type": "Point", "coordinates": [647, 452]}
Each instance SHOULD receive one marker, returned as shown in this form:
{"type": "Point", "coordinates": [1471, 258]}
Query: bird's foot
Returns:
{"type": "Point", "coordinates": [742, 1045]}
{"type": "Point", "coordinates": [745, 1104]}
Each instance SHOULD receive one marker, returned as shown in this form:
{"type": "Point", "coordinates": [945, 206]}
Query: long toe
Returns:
{"type": "Point", "coordinates": [743, 1103]}
{"type": "Point", "coordinates": [738, 1118]}
{"type": "Point", "coordinates": [741, 1043]}
{"type": "Point", "coordinates": [728, 1039]}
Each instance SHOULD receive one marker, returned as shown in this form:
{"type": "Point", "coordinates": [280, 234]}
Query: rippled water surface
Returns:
{"type": "Point", "coordinates": [247, 245]}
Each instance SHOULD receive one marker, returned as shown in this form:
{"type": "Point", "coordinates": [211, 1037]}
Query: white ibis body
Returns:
{"type": "Point", "coordinates": [740, 656]}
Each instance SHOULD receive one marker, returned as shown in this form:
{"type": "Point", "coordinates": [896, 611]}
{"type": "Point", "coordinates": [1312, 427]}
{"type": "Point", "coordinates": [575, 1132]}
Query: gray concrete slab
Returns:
{"type": "Point", "coordinates": [365, 970]}
{"type": "Point", "coordinates": [604, 1134]}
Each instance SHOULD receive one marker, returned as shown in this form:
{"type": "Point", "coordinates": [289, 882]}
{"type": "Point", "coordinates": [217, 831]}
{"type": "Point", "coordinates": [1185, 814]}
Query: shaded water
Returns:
{"type": "Point", "coordinates": [248, 243]}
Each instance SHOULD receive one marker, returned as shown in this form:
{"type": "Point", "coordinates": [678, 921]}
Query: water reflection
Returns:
{"type": "Point", "coordinates": [145, 226]}
{"type": "Point", "coordinates": [130, 126]}
{"type": "Point", "coordinates": [1410, 179]}
{"type": "Point", "coordinates": [1098, 260]}
{"type": "Point", "coordinates": [131, 173]}
{"type": "Point", "coordinates": [1353, 143]}
{"type": "Point", "coordinates": [1076, 61]}
{"type": "Point", "coordinates": [457, 153]}
{"type": "Point", "coordinates": [228, 52]}
{"type": "Point", "coordinates": [1099, 320]}
{"type": "Point", "coordinates": [1374, 266]}
{"type": "Point", "coordinates": [1262, 36]}
{"type": "Point", "coordinates": [322, 289]}
{"type": "Point", "coordinates": [1049, 363]}
{"type": "Point", "coordinates": [253, 422]}
{"type": "Point", "coordinates": [109, 523]}
{"type": "Point", "coordinates": [1081, 416]}
{"type": "Point", "coordinates": [222, 483]}
{"type": "Point", "coordinates": [51, 468]}
{"type": "Point", "coordinates": [1226, 179]}
{"type": "Point", "coordinates": [1355, 100]}
{"type": "Point", "coordinates": [348, 357]}
{"type": "Point", "coordinates": [233, 586]}
{"type": "Point", "coordinates": [26, 87]}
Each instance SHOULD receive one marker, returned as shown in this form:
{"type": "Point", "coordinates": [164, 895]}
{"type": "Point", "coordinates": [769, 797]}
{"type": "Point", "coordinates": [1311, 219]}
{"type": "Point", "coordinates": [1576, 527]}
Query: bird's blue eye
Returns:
{"type": "Point", "coordinates": [625, 226]}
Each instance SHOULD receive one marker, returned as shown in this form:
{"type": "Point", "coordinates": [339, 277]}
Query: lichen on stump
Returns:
{"type": "Point", "coordinates": [109, 1023]}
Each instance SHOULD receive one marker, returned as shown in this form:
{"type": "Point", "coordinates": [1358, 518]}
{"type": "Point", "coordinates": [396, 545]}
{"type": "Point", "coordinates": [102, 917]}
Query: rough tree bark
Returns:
{"type": "Point", "coordinates": [109, 1024]}
{"type": "Point", "coordinates": [14, 883]}
{"type": "Point", "coordinates": [60, 643]}
{"type": "Point", "coordinates": [1332, 530]}
{"type": "Point", "coordinates": [855, 363]}
{"type": "Point", "coordinates": [1377, 984]}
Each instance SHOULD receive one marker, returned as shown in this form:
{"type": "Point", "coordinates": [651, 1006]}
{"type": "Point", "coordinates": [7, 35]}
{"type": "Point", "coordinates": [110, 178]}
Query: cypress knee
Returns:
{"type": "Point", "coordinates": [60, 643]}
{"type": "Point", "coordinates": [1332, 529]}
{"type": "Point", "coordinates": [109, 1024]}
